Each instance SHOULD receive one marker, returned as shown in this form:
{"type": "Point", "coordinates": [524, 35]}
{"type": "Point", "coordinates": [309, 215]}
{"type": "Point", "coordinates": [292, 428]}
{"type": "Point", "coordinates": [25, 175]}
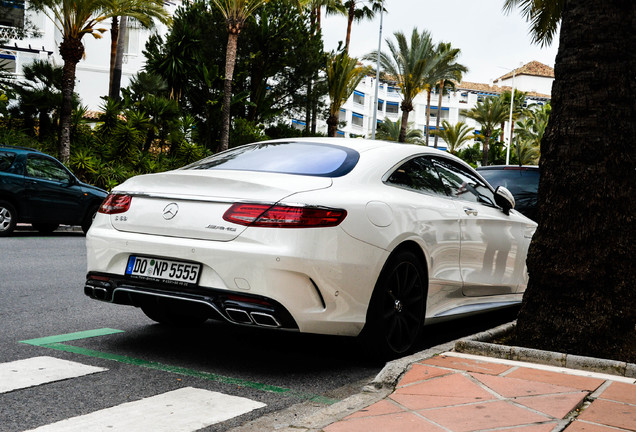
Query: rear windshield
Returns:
{"type": "Point", "coordinates": [6, 160]}
{"type": "Point", "coordinates": [516, 181]}
{"type": "Point", "coordinates": [300, 158]}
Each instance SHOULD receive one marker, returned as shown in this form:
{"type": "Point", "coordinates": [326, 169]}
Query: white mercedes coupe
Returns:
{"type": "Point", "coordinates": [318, 235]}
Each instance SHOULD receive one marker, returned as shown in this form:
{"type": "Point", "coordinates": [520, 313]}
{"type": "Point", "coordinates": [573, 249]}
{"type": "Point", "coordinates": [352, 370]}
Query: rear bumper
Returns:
{"type": "Point", "coordinates": [316, 280]}
{"type": "Point", "coordinates": [233, 307]}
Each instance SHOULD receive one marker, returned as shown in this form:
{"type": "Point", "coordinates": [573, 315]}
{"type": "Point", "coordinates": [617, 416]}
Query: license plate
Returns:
{"type": "Point", "coordinates": [163, 270]}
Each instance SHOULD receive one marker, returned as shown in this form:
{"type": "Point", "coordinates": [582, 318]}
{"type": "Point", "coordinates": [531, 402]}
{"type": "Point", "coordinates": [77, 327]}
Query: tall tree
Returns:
{"type": "Point", "coordinates": [75, 19]}
{"type": "Point", "coordinates": [448, 72]}
{"type": "Point", "coordinates": [489, 113]}
{"type": "Point", "coordinates": [235, 13]}
{"type": "Point", "coordinates": [359, 10]}
{"type": "Point", "coordinates": [343, 76]}
{"type": "Point", "coordinates": [408, 62]}
{"type": "Point", "coordinates": [581, 297]}
{"type": "Point", "coordinates": [118, 31]}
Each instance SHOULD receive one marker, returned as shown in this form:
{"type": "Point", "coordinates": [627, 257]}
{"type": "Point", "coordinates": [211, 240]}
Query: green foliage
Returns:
{"type": "Point", "coordinates": [245, 132]}
{"type": "Point", "coordinates": [390, 131]}
{"type": "Point", "coordinates": [454, 135]}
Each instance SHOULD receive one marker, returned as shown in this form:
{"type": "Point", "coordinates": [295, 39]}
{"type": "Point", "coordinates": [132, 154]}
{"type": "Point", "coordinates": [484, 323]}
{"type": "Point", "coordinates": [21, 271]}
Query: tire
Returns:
{"type": "Point", "coordinates": [8, 218]}
{"type": "Point", "coordinates": [173, 312]}
{"type": "Point", "coordinates": [45, 228]}
{"type": "Point", "coordinates": [88, 219]}
{"type": "Point", "coordinates": [398, 307]}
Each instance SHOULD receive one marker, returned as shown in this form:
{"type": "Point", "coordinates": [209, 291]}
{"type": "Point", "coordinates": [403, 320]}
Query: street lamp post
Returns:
{"type": "Point", "coordinates": [377, 76]}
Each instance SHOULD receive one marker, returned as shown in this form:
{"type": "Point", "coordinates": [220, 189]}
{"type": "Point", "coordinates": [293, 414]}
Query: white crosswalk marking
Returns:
{"type": "Point", "coordinates": [34, 371]}
{"type": "Point", "coordinates": [184, 410]}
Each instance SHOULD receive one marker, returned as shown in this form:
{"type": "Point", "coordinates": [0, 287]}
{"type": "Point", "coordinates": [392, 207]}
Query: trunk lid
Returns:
{"type": "Point", "coordinates": [191, 203]}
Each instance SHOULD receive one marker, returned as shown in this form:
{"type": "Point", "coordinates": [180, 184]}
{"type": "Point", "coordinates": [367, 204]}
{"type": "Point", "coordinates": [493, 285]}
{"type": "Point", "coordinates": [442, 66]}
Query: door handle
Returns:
{"type": "Point", "coordinates": [470, 212]}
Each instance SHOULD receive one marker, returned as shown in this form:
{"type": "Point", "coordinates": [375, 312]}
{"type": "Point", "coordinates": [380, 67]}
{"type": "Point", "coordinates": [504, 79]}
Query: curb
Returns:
{"type": "Point", "coordinates": [384, 383]}
{"type": "Point", "coordinates": [477, 345]}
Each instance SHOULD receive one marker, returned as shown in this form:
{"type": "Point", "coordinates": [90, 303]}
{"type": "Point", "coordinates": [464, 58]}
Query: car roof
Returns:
{"type": "Point", "coordinates": [20, 149]}
{"type": "Point", "coordinates": [508, 167]}
{"type": "Point", "coordinates": [358, 144]}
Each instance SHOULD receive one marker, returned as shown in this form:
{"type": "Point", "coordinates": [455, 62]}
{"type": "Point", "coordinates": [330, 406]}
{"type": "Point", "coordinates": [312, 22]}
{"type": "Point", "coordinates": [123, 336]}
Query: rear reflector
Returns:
{"type": "Point", "coordinates": [115, 203]}
{"type": "Point", "coordinates": [263, 215]}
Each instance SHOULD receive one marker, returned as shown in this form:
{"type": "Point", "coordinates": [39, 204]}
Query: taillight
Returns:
{"type": "Point", "coordinates": [115, 203]}
{"type": "Point", "coordinates": [263, 215]}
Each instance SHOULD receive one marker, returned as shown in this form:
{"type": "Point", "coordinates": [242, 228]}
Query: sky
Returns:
{"type": "Point", "coordinates": [492, 42]}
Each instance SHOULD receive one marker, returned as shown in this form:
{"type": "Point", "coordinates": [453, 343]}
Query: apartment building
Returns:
{"type": "Point", "coordinates": [534, 78]}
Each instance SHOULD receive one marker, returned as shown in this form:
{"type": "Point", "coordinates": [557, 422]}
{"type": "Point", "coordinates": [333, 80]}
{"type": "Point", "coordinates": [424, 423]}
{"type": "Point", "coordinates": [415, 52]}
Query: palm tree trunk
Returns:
{"type": "Point", "coordinates": [115, 84]}
{"type": "Point", "coordinates": [484, 160]}
{"type": "Point", "coordinates": [581, 298]}
{"type": "Point", "coordinates": [439, 110]}
{"type": "Point", "coordinates": [71, 51]}
{"type": "Point", "coordinates": [352, 9]}
{"type": "Point", "coordinates": [332, 126]}
{"type": "Point", "coordinates": [428, 114]}
{"type": "Point", "coordinates": [403, 126]}
{"type": "Point", "coordinates": [230, 60]}
{"type": "Point", "coordinates": [114, 34]}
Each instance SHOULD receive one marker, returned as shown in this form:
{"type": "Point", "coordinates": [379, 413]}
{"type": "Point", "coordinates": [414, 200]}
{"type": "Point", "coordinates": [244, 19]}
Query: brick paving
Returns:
{"type": "Point", "coordinates": [452, 393]}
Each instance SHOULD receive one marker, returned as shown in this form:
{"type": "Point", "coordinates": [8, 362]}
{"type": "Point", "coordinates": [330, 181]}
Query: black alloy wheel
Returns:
{"type": "Point", "coordinates": [398, 307]}
{"type": "Point", "coordinates": [8, 218]}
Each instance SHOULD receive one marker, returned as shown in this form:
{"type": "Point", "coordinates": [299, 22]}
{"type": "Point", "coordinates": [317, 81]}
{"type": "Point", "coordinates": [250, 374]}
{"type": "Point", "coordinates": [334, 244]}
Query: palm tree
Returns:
{"type": "Point", "coordinates": [531, 128]}
{"type": "Point", "coordinates": [454, 135]}
{"type": "Point", "coordinates": [517, 107]}
{"type": "Point", "coordinates": [448, 72]}
{"type": "Point", "coordinates": [390, 131]}
{"type": "Point", "coordinates": [581, 298]}
{"type": "Point", "coordinates": [489, 113]}
{"type": "Point", "coordinates": [118, 30]}
{"type": "Point", "coordinates": [409, 64]}
{"type": "Point", "coordinates": [235, 12]}
{"type": "Point", "coordinates": [343, 76]}
{"type": "Point", "coordinates": [357, 10]}
{"type": "Point", "coordinates": [75, 19]}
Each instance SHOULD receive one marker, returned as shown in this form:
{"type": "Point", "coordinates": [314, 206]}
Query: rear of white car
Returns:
{"type": "Point", "coordinates": [184, 235]}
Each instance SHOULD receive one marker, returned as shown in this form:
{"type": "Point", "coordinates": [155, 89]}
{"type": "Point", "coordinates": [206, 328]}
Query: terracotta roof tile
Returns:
{"type": "Point", "coordinates": [487, 88]}
{"type": "Point", "coordinates": [533, 68]}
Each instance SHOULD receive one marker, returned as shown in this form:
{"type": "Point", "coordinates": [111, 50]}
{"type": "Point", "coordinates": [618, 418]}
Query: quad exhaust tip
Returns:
{"type": "Point", "coordinates": [259, 318]}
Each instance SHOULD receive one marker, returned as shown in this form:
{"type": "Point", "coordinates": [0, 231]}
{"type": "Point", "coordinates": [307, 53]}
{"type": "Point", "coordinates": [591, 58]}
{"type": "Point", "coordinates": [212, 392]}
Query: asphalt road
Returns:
{"type": "Point", "coordinates": [41, 295]}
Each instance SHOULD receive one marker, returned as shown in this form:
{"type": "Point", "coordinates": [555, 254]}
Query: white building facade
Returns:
{"type": "Point", "coordinates": [533, 78]}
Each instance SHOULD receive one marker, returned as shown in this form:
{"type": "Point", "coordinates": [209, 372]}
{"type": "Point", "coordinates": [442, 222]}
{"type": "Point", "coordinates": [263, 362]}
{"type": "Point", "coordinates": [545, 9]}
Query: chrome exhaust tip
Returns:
{"type": "Point", "coordinates": [239, 316]}
{"type": "Point", "coordinates": [264, 319]}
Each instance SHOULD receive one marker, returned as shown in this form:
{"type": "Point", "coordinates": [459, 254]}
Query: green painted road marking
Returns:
{"type": "Point", "coordinates": [55, 342]}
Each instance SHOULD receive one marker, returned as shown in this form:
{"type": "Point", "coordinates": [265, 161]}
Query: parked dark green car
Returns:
{"type": "Point", "coordinates": [36, 188]}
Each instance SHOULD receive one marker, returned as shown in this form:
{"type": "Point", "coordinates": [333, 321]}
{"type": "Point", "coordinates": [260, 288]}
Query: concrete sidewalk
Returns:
{"type": "Point", "coordinates": [463, 392]}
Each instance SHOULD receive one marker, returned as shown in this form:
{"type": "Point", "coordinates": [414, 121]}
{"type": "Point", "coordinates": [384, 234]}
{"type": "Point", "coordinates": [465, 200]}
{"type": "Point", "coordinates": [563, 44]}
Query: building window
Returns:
{"type": "Point", "coordinates": [357, 119]}
{"type": "Point", "coordinates": [12, 13]}
{"type": "Point", "coordinates": [358, 97]}
{"type": "Point", "coordinates": [342, 116]}
{"type": "Point", "coordinates": [391, 107]}
{"type": "Point", "coordinates": [380, 105]}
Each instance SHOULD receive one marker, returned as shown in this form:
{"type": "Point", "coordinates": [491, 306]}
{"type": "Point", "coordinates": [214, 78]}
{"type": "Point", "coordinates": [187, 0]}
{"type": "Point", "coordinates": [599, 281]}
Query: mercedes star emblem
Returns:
{"type": "Point", "coordinates": [170, 211]}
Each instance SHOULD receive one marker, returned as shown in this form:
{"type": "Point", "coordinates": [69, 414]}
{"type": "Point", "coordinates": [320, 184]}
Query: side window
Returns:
{"type": "Point", "coordinates": [418, 174]}
{"type": "Point", "coordinates": [46, 169]}
{"type": "Point", "coordinates": [6, 160]}
{"type": "Point", "coordinates": [461, 183]}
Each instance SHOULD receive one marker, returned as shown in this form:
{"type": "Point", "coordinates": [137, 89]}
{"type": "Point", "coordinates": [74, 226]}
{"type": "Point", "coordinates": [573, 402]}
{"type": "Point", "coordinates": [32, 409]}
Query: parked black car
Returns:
{"type": "Point", "coordinates": [522, 181]}
{"type": "Point", "coordinates": [36, 188]}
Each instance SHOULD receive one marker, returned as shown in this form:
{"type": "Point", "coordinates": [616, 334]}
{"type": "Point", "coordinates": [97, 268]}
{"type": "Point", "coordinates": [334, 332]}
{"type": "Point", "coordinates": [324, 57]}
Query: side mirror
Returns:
{"type": "Point", "coordinates": [504, 199]}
